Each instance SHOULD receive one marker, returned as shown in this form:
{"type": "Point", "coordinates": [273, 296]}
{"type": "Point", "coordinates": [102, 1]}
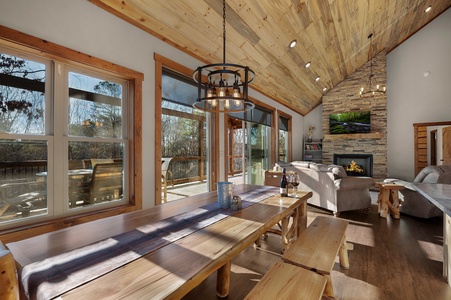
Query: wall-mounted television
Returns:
{"type": "Point", "coordinates": [350, 122]}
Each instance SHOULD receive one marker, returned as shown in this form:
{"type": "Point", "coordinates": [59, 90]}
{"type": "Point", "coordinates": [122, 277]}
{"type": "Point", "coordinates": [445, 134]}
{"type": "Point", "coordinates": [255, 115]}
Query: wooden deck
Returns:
{"type": "Point", "coordinates": [391, 259]}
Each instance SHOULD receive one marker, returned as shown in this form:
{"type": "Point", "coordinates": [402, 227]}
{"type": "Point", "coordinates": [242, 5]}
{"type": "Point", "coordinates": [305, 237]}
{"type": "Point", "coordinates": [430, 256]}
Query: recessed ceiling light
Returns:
{"type": "Point", "coordinates": [428, 9]}
{"type": "Point", "coordinates": [307, 64]}
{"type": "Point", "coordinates": [317, 78]}
{"type": "Point", "coordinates": [292, 43]}
{"type": "Point", "coordinates": [324, 89]}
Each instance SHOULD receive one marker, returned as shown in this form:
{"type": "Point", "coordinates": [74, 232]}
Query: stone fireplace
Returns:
{"type": "Point", "coordinates": [355, 164]}
{"type": "Point", "coordinates": [344, 97]}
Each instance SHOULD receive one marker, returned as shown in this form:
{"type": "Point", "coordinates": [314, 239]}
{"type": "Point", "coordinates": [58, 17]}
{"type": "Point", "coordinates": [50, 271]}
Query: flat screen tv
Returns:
{"type": "Point", "coordinates": [350, 122]}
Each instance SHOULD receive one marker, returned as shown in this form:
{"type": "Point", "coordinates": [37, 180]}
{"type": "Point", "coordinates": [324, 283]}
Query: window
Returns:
{"type": "Point", "coordinates": [284, 138]}
{"type": "Point", "coordinates": [64, 138]}
{"type": "Point", "coordinates": [184, 131]}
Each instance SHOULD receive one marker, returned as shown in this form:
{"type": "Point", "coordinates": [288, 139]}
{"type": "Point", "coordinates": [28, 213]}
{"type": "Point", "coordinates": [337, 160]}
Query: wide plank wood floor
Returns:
{"type": "Point", "coordinates": [391, 259]}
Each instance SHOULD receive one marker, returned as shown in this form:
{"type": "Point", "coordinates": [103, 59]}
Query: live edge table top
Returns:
{"type": "Point", "coordinates": [175, 268]}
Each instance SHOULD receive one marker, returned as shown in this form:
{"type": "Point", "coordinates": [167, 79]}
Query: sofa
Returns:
{"type": "Point", "coordinates": [332, 188]}
{"type": "Point", "coordinates": [413, 203]}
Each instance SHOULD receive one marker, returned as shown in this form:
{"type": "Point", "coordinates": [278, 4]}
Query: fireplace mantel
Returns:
{"type": "Point", "coordinates": [334, 137]}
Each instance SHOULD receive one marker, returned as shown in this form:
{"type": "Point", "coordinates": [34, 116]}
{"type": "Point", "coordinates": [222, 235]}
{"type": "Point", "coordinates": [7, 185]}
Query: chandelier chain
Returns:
{"type": "Point", "coordinates": [223, 88]}
{"type": "Point", "coordinates": [224, 31]}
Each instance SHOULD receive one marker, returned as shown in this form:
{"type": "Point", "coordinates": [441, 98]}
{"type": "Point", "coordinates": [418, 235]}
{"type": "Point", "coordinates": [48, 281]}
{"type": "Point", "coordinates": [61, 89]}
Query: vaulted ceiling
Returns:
{"type": "Point", "coordinates": [331, 34]}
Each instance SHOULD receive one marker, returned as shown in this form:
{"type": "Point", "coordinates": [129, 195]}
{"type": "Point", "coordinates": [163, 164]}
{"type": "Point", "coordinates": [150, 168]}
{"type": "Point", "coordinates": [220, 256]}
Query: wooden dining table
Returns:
{"type": "Point", "coordinates": [157, 253]}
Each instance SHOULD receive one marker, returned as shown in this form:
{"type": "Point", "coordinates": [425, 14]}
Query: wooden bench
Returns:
{"type": "Point", "coordinates": [286, 281]}
{"type": "Point", "coordinates": [318, 246]}
{"type": "Point", "coordinates": [8, 276]}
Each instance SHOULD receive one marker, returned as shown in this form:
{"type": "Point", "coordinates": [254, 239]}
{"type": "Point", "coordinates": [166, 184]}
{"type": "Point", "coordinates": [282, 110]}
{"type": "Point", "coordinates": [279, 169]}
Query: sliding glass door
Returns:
{"type": "Point", "coordinates": [252, 137]}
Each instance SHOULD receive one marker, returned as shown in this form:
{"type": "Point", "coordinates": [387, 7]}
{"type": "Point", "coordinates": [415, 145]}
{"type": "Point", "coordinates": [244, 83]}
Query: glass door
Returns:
{"type": "Point", "coordinates": [252, 135]}
{"type": "Point", "coordinates": [257, 152]}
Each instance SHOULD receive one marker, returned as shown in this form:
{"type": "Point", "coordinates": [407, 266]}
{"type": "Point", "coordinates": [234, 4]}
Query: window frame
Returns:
{"type": "Point", "coordinates": [212, 155]}
{"type": "Point", "coordinates": [290, 134]}
{"type": "Point", "coordinates": [58, 55]}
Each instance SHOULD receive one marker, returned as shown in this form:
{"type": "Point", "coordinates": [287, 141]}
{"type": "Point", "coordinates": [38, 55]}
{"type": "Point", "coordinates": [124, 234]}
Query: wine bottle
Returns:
{"type": "Point", "coordinates": [284, 184]}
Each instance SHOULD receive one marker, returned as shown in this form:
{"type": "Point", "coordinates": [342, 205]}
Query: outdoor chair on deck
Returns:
{"type": "Point", "coordinates": [106, 182]}
{"type": "Point", "coordinates": [165, 164]}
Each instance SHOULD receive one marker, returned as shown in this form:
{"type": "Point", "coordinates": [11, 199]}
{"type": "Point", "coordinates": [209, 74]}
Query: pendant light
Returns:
{"type": "Point", "coordinates": [223, 87]}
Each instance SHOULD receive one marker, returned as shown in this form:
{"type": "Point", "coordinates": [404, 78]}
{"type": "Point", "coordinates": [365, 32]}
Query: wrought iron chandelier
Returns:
{"type": "Point", "coordinates": [223, 87]}
{"type": "Point", "coordinates": [372, 87]}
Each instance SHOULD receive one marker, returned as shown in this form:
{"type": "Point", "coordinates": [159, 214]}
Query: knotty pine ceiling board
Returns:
{"type": "Point", "coordinates": [332, 34]}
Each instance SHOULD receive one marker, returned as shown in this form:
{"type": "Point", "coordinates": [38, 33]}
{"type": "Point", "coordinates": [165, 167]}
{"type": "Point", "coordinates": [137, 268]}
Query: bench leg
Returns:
{"type": "Point", "coordinates": [329, 289]}
{"type": "Point", "coordinates": [383, 207]}
{"type": "Point", "coordinates": [394, 204]}
{"type": "Point", "coordinates": [343, 254]}
{"type": "Point", "coordinates": [302, 218]}
{"type": "Point", "coordinates": [223, 280]}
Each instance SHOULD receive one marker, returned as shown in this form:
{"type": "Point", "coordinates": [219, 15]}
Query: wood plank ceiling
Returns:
{"type": "Point", "coordinates": [331, 34]}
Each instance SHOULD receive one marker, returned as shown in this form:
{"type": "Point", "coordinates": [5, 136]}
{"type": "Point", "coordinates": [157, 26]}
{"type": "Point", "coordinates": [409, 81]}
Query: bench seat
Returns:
{"type": "Point", "coordinates": [286, 281]}
{"type": "Point", "coordinates": [318, 246]}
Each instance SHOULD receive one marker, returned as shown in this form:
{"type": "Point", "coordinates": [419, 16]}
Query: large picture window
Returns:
{"type": "Point", "coordinates": [63, 138]}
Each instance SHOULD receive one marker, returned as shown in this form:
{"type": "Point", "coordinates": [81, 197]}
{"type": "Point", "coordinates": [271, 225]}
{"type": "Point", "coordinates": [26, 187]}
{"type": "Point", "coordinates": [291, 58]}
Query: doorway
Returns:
{"type": "Point", "coordinates": [421, 146]}
{"type": "Point", "coordinates": [446, 146]}
{"type": "Point", "coordinates": [249, 150]}
{"type": "Point", "coordinates": [433, 146]}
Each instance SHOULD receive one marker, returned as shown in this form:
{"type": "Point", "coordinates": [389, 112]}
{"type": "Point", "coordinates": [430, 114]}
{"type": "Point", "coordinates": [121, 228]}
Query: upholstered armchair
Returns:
{"type": "Point", "coordinates": [414, 203]}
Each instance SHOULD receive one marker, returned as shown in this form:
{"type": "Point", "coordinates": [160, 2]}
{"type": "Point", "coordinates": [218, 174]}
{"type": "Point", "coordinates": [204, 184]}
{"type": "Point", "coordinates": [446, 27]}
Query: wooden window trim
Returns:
{"type": "Point", "coordinates": [33, 45]}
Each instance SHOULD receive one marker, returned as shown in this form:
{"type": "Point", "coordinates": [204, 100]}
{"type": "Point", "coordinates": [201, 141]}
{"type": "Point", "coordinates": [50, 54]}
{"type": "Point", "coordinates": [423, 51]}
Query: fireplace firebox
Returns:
{"type": "Point", "coordinates": [355, 164]}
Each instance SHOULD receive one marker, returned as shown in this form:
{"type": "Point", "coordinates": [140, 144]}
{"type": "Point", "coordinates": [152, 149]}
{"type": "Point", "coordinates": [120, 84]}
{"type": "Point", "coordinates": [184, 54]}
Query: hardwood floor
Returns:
{"type": "Point", "coordinates": [391, 259]}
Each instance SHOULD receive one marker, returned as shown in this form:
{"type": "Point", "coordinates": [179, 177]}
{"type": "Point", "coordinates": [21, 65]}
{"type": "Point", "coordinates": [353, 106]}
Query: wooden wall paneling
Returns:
{"type": "Point", "coordinates": [333, 35]}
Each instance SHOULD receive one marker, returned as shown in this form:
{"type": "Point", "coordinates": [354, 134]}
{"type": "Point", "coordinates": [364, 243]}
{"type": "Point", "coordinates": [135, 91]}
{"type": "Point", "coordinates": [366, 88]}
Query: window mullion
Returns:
{"type": "Point", "coordinates": [60, 141]}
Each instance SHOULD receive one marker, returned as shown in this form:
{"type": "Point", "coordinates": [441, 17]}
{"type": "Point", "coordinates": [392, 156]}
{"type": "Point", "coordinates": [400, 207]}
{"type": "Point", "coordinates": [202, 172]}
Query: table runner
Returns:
{"type": "Point", "coordinates": [56, 275]}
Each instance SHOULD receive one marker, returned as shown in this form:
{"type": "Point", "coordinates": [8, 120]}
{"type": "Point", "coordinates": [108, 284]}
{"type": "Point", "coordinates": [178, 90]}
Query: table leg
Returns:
{"type": "Point", "coordinates": [302, 218]}
{"type": "Point", "coordinates": [285, 233]}
{"type": "Point", "coordinates": [223, 280]}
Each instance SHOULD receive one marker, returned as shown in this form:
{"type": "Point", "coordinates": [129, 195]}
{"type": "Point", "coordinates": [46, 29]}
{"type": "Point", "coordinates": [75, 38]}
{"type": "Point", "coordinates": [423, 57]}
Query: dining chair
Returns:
{"type": "Point", "coordinates": [165, 164]}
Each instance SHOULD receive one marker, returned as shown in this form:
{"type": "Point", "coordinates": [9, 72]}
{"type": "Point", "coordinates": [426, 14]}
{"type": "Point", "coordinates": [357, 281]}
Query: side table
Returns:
{"type": "Point", "coordinates": [388, 199]}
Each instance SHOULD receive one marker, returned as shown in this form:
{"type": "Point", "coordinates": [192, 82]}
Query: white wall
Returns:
{"type": "Point", "coordinates": [82, 26]}
{"type": "Point", "coordinates": [315, 118]}
{"type": "Point", "coordinates": [413, 98]}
